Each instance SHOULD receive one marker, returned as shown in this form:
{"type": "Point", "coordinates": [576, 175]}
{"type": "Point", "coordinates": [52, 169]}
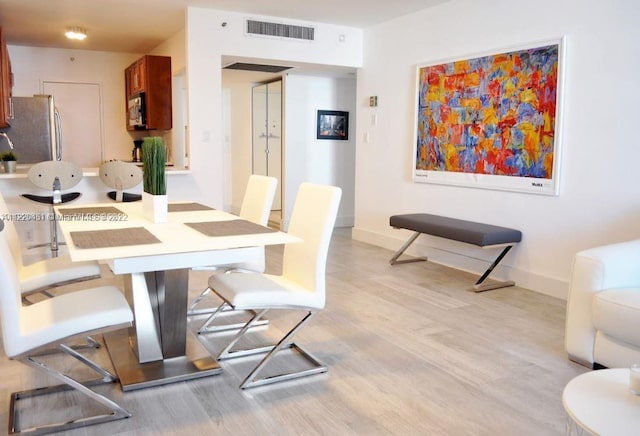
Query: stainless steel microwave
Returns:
{"type": "Point", "coordinates": [136, 111]}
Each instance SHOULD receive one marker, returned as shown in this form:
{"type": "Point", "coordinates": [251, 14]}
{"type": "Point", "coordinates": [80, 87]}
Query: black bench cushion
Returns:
{"type": "Point", "coordinates": [455, 229]}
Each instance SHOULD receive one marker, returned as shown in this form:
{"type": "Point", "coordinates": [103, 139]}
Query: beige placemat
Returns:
{"type": "Point", "coordinates": [229, 228]}
{"type": "Point", "coordinates": [113, 237]}
{"type": "Point", "coordinates": [187, 207]}
{"type": "Point", "coordinates": [80, 211]}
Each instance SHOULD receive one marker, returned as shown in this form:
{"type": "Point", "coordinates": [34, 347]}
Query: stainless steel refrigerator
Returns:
{"type": "Point", "coordinates": [34, 131]}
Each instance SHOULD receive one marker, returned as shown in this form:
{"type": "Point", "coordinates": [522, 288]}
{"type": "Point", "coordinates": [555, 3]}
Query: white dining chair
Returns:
{"type": "Point", "coordinates": [256, 207]}
{"type": "Point", "coordinates": [301, 286]}
{"type": "Point", "coordinates": [43, 275]}
{"type": "Point", "coordinates": [121, 175]}
{"type": "Point", "coordinates": [54, 176]}
{"type": "Point", "coordinates": [29, 330]}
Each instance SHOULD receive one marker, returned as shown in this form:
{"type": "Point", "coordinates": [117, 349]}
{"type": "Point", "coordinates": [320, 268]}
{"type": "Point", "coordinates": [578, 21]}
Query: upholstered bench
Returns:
{"type": "Point", "coordinates": [470, 232]}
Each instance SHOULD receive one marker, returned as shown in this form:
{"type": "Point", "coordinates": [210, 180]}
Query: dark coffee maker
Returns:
{"type": "Point", "coordinates": [136, 155]}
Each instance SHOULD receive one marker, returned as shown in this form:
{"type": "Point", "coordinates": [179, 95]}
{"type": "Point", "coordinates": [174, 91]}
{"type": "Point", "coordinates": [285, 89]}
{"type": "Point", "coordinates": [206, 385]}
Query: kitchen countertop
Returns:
{"type": "Point", "coordinates": [22, 170]}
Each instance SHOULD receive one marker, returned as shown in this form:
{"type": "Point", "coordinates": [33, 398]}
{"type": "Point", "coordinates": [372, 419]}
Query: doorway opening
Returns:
{"type": "Point", "coordinates": [297, 156]}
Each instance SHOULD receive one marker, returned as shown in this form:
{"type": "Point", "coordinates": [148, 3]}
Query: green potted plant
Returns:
{"type": "Point", "coordinates": [154, 197]}
{"type": "Point", "coordinates": [9, 160]}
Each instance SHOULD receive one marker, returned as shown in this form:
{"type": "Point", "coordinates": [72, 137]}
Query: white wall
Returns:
{"type": "Point", "coordinates": [599, 202]}
{"type": "Point", "coordinates": [207, 40]}
{"type": "Point", "coordinates": [239, 134]}
{"type": "Point", "coordinates": [33, 65]}
{"type": "Point", "coordinates": [175, 139]}
{"type": "Point", "coordinates": [174, 47]}
{"type": "Point", "coordinates": [308, 159]}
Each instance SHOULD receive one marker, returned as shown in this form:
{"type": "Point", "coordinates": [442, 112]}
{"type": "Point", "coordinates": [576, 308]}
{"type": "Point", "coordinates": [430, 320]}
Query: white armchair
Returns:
{"type": "Point", "coordinates": [603, 308]}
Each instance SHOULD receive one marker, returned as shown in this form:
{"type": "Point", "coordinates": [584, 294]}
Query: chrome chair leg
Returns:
{"type": "Point", "coordinates": [228, 353]}
{"type": "Point", "coordinates": [252, 380]}
{"type": "Point", "coordinates": [116, 412]}
{"type": "Point", "coordinates": [214, 311]}
{"type": "Point", "coordinates": [107, 377]}
{"type": "Point", "coordinates": [207, 327]}
{"type": "Point", "coordinates": [89, 344]}
{"type": "Point", "coordinates": [208, 311]}
{"type": "Point", "coordinates": [192, 309]}
{"type": "Point", "coordinates": [220, 308]}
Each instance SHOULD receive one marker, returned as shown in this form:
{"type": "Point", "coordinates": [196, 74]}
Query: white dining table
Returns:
{"type": "Point", "coordinates": [158, 348]}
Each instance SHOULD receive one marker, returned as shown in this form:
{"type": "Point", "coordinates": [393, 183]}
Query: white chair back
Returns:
{"type": "Point", "coordinates": [258, 199]}
{"type": "Point", "coordinates": [313, 218]}
{"type": "Point", "coordinates": [44, 174]}
{"type": "Point", "coordinates": [120, 175]}
{"type": "Point", "coordinates": [10, 299]}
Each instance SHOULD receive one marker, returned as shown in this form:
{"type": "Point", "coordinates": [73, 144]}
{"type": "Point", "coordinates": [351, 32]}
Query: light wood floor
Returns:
{"type": "Point", "coordinates": [410, 351]}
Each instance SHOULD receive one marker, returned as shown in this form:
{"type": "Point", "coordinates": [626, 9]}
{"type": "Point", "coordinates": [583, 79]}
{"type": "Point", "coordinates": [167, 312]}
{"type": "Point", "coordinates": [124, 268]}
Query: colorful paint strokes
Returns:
{"type": "Point", "coordinates": [490, 115]}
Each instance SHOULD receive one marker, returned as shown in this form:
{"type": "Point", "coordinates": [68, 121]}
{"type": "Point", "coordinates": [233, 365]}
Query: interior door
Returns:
{"type": "Point", "coordinates": [274, 137]}
{"type": "Point", "coordinates": [259, 129]}
{"type": "Point", "coordinates": [267, 134]}
{"type": "Point", "coordinates": [79, 105]}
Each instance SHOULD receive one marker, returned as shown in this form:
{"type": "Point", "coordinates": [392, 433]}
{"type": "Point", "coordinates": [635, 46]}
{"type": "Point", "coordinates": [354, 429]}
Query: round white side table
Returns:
{"type": "Point", "coordinates": [600, 402]}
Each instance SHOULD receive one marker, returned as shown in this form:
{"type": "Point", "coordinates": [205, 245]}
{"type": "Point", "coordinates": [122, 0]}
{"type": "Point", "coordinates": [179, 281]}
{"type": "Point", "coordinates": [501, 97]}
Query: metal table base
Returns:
{"type": "Point", "coordinates": [134, 375]}
{"type": "Point", "coordinates": [158, 349]}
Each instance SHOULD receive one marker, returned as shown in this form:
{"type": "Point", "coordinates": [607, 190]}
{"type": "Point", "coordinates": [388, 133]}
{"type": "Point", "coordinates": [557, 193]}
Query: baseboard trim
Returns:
{"type": "Point", "coordinates": [344, 221]}
{"type": "Point", "coordinates": [466, 258]}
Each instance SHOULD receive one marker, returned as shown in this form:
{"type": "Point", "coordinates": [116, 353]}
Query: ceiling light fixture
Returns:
{"type": "Point", "coordinates": [76, 33]}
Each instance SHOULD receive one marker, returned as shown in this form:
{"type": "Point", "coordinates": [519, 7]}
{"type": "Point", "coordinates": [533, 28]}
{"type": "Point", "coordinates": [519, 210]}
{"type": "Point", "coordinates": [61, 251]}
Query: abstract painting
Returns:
{"type": "Point", "coordinates": [491, 121]}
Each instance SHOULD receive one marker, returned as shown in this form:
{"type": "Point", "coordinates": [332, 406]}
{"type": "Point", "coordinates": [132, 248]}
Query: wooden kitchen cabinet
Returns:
{"type": "Point", "coordinates": [136, 76]}
{"type": "Point", "coordinates": [151, 77]}
{"type": "Point", "coordinates": [6, 83]}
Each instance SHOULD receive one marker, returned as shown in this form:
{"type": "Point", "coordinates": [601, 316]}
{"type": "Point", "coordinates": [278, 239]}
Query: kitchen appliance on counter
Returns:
{"type": "Point", "coordinates": [34, 130]}
{"type": "Point", "coordinates": [136, 153]}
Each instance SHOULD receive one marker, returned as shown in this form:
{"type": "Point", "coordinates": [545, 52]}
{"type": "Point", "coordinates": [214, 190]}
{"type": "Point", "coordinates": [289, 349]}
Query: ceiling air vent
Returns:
{"type": "Point", "coordinates": [279, 30]}
{"type": "Point", "coordinates": [257, 67]}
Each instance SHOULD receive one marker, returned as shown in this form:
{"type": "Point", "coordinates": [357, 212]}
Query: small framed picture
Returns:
{"type": "Point", "coordinates": [333, 125]}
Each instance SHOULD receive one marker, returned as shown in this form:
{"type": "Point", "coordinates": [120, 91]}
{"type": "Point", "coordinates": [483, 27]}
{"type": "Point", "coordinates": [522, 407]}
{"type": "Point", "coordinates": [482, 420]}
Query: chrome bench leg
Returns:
{"type": "Point", "coordinates": [394, 260]}
{"type": "Point", "coordinates": [480, 287]}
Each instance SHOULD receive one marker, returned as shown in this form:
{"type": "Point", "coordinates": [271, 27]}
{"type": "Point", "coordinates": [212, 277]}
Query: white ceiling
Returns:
{"type": "Point", "coordinates": [137, 26]}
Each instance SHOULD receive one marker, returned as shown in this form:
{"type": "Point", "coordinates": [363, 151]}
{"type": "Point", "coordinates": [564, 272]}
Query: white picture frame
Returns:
{"type": "Point", "coordinates": [485, 121]}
